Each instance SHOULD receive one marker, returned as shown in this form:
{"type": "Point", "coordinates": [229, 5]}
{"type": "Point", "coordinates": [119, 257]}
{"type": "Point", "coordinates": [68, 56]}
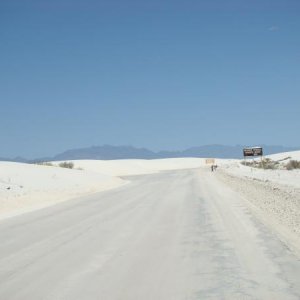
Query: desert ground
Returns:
{"type": "Point", "coordinates": [150, 229]}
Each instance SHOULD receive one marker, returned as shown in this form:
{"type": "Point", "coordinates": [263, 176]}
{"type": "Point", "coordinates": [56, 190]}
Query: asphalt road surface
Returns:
{"type": "Point", "coordinates": [172, 235]}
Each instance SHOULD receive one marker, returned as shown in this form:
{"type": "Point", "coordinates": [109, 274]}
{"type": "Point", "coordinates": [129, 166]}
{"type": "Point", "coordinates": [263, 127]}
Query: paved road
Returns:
{"type": "Point", "coordinates": [173, 235]}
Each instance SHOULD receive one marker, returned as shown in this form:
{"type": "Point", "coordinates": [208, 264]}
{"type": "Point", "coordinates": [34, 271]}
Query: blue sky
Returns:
{"type": "Point", "coordinates": [155, 74]}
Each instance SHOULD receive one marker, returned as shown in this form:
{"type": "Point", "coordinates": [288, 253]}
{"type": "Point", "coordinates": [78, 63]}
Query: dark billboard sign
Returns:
{"type": "Point", "coordinates": [255, 151]}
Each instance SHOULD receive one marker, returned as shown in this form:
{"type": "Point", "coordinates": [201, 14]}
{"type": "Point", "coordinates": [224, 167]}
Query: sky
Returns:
{"type": "Point", "coordinates": [160, 74]}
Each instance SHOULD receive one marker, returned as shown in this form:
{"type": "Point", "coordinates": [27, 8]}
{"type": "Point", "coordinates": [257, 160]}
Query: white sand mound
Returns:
{"type": "Point", "coordinates": [294, 155]}
{"type": "Point", "coordinates": [137, 166]}
{"type": "Point", "coordinates": [279, 176]}
{"type": "Point", "coordinates": [24, 187]}
{"type": "Point", "coordinates": [128, 167]}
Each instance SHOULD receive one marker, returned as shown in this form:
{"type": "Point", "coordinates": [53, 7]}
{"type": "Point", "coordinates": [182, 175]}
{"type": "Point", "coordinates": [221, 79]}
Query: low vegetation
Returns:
{"type": "Point", "coordinates": [265, 163]}
{"type": "Point", "coordinates": [44, 163]}
{"type": "Point", "coordinates": [65, 164]}
{"type": "Point", "coordinates": [269, 164]}
{"type": "Point", "coordinates": [293, 164]}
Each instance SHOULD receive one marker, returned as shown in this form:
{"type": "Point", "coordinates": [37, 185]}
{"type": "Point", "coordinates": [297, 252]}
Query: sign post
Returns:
{"type": "Point", "coordinates": [252, 152]}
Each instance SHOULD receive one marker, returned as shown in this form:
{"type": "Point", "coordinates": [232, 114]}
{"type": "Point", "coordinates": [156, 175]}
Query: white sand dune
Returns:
{"type": "Point", "coordinates": [128, 167]}
{"type": "Point", "coordinates": [281, 176]}
{"type": "Point", "coordinates": [295, 155]}
{"type": "Point", "coordinates": [24, 187]}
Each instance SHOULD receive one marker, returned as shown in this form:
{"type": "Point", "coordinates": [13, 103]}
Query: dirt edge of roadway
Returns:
{"type": "Point", "coordinates": [275, 205]}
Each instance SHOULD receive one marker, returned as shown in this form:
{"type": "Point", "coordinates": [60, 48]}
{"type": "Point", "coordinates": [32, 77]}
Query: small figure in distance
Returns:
{"type": "Point", "coordinates": [212, 168]}
{"type": "Point", "coordinates": [215, 167]}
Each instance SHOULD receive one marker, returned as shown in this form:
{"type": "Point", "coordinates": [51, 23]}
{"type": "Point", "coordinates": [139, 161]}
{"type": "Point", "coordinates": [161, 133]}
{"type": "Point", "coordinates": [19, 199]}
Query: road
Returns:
{"type": "Point", "coordinates": [171, 235]}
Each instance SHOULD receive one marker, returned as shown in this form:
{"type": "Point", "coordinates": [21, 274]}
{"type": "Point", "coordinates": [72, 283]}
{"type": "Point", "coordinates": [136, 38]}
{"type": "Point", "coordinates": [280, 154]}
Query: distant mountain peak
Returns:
{"type": "Point", "coordinates": [109, 152]}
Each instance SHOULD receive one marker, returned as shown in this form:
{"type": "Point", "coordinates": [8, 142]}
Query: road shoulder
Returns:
{"type": "Point", "coordinates": [277, 206]}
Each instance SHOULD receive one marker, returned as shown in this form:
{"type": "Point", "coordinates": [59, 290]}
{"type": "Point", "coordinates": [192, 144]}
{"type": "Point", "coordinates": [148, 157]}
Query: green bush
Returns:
{"type": "Point", "coordinates": [65, 164]}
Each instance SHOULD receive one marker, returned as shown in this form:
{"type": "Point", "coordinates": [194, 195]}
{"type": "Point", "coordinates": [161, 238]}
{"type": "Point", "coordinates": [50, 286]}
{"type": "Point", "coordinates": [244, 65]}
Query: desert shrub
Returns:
{"type": "Point", "coordinates": [247, 163]}
{"type": "Point", "coordinates": [44, 163]}
{"type": "Point", "coordinates": [266, 164]}
{"type": "Point", "coordinates": [293, 164]}
{"type": "Point", "coordinates": [65, 164]}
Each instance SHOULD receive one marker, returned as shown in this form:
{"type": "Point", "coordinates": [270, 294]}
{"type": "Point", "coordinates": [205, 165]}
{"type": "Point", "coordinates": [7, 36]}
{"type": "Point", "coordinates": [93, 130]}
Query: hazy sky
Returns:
{"type": "Point", "coordinates": [158, 74]}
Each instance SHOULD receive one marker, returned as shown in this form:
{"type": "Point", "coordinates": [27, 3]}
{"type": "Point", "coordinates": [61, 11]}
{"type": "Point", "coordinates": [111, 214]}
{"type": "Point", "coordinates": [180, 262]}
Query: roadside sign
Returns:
{"type": "Point", "coordinates": [253, 151]}
{"type": "Point", "coordinates": [209, 161]}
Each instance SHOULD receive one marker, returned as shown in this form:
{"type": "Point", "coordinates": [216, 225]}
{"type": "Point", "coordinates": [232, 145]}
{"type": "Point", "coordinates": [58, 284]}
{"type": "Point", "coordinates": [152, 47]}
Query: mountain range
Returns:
{"type": "Point", "coordinates": [108, 152]}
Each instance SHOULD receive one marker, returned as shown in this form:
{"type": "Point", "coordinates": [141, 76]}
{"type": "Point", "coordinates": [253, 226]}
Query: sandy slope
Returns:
{"type": "Point", "coordinates": [290, 178]}
{"type": "Point", "coordinates": [138, 166]}
{"type": "Point", "coordinates": [276, 205]}
{"type": "Point", "coordinates": [284, 177]}
{"type": "Point", "coordinates": [24, 187]}
{"type": "Point", "coordinates": [274, 195]}
{"type": "Point", "coordinates": [280, 156]}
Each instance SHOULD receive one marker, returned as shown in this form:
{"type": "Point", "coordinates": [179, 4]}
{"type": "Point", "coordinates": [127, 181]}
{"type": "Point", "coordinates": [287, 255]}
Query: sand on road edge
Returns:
{"type": "Point", "coordinates": [276, 205]}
